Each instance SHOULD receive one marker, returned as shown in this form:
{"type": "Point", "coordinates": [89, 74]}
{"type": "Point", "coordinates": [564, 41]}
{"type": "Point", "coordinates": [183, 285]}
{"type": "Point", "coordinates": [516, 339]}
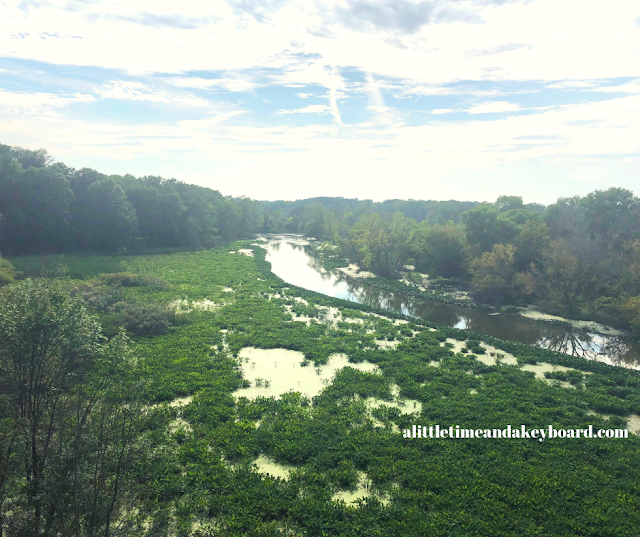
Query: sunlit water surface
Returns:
{"type": "Point", "coordinates": [293, 260]}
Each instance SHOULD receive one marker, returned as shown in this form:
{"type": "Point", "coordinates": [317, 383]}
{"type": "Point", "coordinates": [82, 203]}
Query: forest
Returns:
{"type": "Point", "coordinates": [579, 257]}
{"type": "Point", "coordinates": [143, 333]}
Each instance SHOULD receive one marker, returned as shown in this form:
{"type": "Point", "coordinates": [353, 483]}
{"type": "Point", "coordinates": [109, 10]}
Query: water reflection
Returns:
{"type": "Point", "coordinates": [292, 259]}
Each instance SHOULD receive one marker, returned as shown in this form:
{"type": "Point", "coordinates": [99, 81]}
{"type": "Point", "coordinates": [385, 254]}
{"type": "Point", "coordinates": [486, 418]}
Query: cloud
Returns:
{"type": "Point", "coordinates": [311, 109]}
{"type": "Point", "coordinates": [398, 15]}
{"type": "Point", "coordinates": [336, 84]}
{"type": "Point", "coordinates": [549, 144]}
{"type": "Point", "coordinates": [132, 91]}
{"type": "Point", "coordinates": [23, 103]}
{"type": "Point", "coordinates": [499, 49]}
{"type": "Point", "coordinates": [125, 90]}
{"type": "Point", "coordinates": [571, 84]}
{"type": "Point", "coordinates": [157, 21]}
{"type": "Point", "coordinates": [383, 114]}
{"type": "Point", "coordinates": [228, 84]}
{"type": "Point", "coordinates": [632, 86]}
{"type": "Point", "coordinates": [455, 80]}
{"type": "Point", "coordinates": [494, 107]}
{"type": "Point", "coordinates": [260, 10]}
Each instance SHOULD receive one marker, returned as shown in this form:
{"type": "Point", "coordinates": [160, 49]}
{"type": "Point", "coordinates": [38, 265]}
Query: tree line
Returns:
{"type": "Point", "coordinates": [578, 257]}
{"type": "Point", "coordinates": [48, 207]}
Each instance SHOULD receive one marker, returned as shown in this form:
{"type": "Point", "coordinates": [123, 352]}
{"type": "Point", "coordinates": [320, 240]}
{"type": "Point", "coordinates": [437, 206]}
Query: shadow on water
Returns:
{"type": "Point", "coordinates": [292, 260]}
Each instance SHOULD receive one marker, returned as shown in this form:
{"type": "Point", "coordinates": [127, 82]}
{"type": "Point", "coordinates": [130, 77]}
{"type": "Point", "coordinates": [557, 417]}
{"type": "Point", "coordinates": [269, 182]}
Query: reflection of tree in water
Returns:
{"type": "Point", "coordinates": [592, 346]}
{"type": "Point", "coordinates": [574, 342]}
{"type": "Point", "coordinates": [579, 343]}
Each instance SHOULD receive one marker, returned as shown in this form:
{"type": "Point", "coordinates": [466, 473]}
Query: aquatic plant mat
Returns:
{"type": "Point", "coordinates": [279, 411]}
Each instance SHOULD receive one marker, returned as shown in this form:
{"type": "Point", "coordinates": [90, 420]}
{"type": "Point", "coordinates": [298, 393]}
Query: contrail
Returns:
{"type": "Point", "coordinates": [333, 102]}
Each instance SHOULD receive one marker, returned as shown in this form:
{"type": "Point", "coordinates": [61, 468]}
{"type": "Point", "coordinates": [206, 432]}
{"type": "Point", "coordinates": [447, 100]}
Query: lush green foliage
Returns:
{"type": "Point", "coordinates": [52, 208]}
{"type": "Point", "coordinates": [7, 272]}
{"type": "Point", "coordinates": [70, 414]}
{"type": "Point", "coordinates": [200, 469]}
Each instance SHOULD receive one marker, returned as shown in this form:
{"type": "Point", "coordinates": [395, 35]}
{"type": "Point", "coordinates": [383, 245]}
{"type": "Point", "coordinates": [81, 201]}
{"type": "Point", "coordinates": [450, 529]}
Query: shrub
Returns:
{"type": "Point", "coordinates": [131, 279]}
{"type": "Point", "coordinates": [8, 272]}
{"type": "Point", "coordinates": [99, 298]}
{"type": "Point", "coordinates": [148, 319]}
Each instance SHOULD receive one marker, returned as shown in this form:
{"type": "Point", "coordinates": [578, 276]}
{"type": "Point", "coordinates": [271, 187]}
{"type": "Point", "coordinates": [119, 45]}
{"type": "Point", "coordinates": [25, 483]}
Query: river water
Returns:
{"type": "Point", "coordinates": [293, 260]}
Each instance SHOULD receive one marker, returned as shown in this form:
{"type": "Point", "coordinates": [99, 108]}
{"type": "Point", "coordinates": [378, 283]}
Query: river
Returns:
{"type": "Point", "coordinates": [293, 260]}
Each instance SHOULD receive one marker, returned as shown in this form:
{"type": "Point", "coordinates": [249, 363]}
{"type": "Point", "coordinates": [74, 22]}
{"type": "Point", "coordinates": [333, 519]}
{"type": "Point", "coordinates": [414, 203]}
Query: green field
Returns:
{"type": "Point", "coordinates": [198, 474]}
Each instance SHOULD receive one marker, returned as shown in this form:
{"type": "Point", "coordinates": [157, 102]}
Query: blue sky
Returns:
{"type": "Point", "coordinates": [462, 99]}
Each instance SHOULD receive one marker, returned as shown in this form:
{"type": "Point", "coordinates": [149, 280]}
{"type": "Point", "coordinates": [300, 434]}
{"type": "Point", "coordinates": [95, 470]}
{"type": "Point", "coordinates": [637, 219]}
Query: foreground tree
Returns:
{"type": "Point", "coordinates": [70, 415]}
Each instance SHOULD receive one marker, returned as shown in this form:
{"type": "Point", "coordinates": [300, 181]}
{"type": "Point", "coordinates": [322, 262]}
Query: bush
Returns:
{"type": "Point", "coordinates": [131, 279]}
{"type": "Point", "coordinates": [99, 298]}
{"type": "Point", "coordinates": [147, 319]}
{"type": "Point", "coordinates": [8, 272]}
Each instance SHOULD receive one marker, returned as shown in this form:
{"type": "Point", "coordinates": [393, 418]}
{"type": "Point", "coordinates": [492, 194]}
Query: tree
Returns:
{"type": "Point", "coordinates": [35, 207]}
{"type": "Point", "coordinates": [440, 250]}
{"type": "Point", "coordinates": [564, 276]}
{"type": "Point", "coordinates": [111, 219]}
{"type": "Point", "coordinates": [160, 212]}
{"type": "Point", "coordinates": [485, 226]}
{"type": "Point", "coordinates": [493, 273]}
{"type": "Point", "coordinates": [401, 229]}
{"type": "Point", "coordinates": [508, 203]}
{"type": "Point", "coordinates": [531, 243]}
{"type": "Point", "coordinates": [631, 310]}
{"type": "Point", "coordinates": [70, 417]}
{"type": "Point", "coordinates": [47, 346]}
{"type": "Point", "coordinates": [370, 243]}
{"type": "Point", "coordinates": [563, 218]}
{"type": "Point", "coordinates": [612, 216]}
{"type": "Point", "coordinates": [313, 218]}
{"type": "Point", "coordinates": [331, 226]}
{"type": "Point", "coordinates": [249, 212]}
{"type": "Point", "coordinates": [28, 158]}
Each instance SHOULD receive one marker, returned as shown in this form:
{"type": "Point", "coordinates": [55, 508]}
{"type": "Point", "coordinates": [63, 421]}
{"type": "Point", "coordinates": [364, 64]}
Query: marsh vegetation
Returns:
{"type": "Point", "coordinates": [225, 455]}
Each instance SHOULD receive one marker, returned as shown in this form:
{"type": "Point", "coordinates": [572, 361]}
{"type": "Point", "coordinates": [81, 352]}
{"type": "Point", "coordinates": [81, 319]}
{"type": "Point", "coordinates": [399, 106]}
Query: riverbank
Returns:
{"type": "Point", "coordinates": [417, 285]}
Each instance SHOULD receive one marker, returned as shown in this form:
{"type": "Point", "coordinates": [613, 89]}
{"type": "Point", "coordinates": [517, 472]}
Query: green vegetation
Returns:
{"type": "Point", "coordinates": [578, 257]}
{"type": "Point", "coordinates": [7, 272]}
{"type": "Point", "coordinates": [188, 470]}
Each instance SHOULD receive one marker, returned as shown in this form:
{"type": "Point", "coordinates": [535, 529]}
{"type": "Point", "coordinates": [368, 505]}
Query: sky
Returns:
{"type": "Point", "coordinates": [385, 99]}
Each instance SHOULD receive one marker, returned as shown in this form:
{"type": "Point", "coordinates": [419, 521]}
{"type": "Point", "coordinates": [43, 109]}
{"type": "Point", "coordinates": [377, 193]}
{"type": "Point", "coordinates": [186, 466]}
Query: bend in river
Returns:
{"type": "Point", "coordinates": [293, 260]}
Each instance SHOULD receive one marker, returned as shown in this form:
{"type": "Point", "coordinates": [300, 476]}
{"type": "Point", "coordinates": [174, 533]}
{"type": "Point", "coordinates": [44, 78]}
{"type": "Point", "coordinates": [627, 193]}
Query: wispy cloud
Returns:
{"type": "Point", "coordinates": [629, 87]}
{"type": "Point", "coordinates": [336, 84]}
{"type": "Point", "coordinates": [494, 107]}
{"type": "Point", "coordinates": [228, 84]}
{"type": "Point", "coordinates": [382, 114]}
{"type": "Point", "coordinates": [571, 84]}
{"type": "Point", "coordinates": [311, 109]}
{"type": "Point", "coordinates": [19, 103]}
{"type": "Point", "coordinates": [498, 49]}
{"type": "Point", "coordinates": [124, 90]}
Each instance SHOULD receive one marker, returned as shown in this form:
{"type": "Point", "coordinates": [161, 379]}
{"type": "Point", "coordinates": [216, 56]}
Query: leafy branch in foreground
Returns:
{"type": "Point", "coordinates": [71, 415]}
